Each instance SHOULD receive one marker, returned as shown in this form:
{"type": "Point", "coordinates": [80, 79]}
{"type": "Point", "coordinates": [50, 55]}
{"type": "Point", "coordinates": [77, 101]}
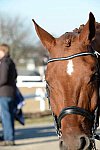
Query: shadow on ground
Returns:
{"type": "Point", "coordinates": [36, 132]}
{"type": "Point", "coordinates": [33, 132]}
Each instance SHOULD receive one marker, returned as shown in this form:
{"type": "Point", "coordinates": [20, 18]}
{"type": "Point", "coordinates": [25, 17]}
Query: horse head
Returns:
{"type": "Point", "coordinates": [71, 77]}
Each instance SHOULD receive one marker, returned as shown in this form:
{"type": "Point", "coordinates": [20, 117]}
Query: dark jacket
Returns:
{"type": "Point", "coordinates": [8, 75]}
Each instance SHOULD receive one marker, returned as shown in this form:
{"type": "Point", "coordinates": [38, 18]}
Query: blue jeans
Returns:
{"type": "Point", "coordinates": [7, 117]}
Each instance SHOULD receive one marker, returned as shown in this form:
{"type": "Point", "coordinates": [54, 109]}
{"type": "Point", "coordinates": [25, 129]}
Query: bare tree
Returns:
{"type": "Point", "coordinates": [15, 33]}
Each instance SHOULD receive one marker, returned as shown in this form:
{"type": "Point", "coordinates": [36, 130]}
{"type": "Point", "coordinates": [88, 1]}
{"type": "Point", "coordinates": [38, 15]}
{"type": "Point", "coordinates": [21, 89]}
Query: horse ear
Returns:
{"type": "Point", "coordinates": [88, 32]}
{"type": "Point", "coordinates": [47, 39]}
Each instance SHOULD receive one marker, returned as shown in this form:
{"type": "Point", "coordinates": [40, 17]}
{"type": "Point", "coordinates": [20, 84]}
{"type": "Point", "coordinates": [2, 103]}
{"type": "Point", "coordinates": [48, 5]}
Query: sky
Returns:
{"type": "Point", "coordinates": [55, 16]}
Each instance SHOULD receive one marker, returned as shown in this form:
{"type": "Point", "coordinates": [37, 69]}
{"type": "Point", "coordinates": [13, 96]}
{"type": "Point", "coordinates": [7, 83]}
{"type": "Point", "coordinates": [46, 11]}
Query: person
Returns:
{"type": "Point", "coordinates": [8, 75]}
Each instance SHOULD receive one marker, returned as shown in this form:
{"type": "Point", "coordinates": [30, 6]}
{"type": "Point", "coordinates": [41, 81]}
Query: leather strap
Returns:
{"type": "Point", "coordinates": [71, 56]}
{"type": "Point", "coordinates": [74, 110]}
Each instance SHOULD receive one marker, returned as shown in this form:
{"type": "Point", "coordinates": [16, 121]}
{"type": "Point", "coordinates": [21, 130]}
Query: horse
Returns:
{"type": "Point", "coordinates": [72, 76]}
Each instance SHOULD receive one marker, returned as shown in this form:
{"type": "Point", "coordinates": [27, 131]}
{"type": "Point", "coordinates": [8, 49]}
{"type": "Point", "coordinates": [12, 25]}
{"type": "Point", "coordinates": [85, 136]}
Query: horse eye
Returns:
{"type": "Point", "coordinates": [95, 76]}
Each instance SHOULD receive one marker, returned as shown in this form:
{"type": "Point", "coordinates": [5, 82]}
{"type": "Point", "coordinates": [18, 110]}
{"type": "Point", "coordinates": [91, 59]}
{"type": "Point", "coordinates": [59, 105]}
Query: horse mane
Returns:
{"type": "Point", "coordinates": [97, 26]}
{"type": "Point", "coordinates": [78, 30]}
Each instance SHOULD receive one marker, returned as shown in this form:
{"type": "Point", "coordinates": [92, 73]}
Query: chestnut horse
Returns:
{"type": "Point", "coordinates": [72, 81]}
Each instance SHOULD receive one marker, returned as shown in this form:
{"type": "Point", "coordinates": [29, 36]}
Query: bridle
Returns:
{"type": "Point", "coordinates": [93, 117]}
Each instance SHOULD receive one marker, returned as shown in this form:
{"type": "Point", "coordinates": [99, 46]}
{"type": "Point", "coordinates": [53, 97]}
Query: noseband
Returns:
{"type": "Point", "coordinates": [93, 117]}
{"type": "Point", "coordinates": [75, 110]}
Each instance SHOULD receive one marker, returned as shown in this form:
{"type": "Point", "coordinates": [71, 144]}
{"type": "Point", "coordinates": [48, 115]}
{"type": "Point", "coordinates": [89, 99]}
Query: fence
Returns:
{"type": "Point", "coordinates": [33, 87]}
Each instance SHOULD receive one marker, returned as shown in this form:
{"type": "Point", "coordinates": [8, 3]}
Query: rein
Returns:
{"type": "Point", "coordinates": [93, 117]}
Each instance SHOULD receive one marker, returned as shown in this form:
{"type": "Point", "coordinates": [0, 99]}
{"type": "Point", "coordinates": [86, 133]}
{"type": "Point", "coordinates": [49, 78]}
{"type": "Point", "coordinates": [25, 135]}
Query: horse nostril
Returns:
{"type": "Point", "coordinates": [62, 146]}
{"type": "Point", "coordinates": [83, 143]}
{"type": "Point", "coordinates": [60, 143]}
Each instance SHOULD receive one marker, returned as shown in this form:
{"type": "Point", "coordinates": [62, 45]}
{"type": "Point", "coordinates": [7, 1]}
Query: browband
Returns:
{"type": "Point", "coordinates": [95, 54]}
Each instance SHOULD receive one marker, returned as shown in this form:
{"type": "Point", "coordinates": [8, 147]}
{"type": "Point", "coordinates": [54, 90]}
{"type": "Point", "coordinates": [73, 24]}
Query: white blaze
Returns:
{"type": "Point", "coordinates": [70, 67]}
